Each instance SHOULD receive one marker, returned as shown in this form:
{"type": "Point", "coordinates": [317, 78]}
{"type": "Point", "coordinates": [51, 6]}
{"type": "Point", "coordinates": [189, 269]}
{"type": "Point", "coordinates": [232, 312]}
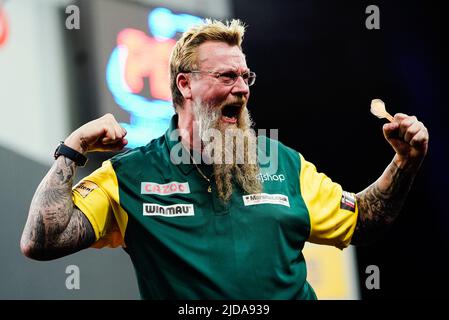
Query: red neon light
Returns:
{"type": "Point", "coordinates": [147, 57]}
{"type": "Point", "coordinates": [3, 27]}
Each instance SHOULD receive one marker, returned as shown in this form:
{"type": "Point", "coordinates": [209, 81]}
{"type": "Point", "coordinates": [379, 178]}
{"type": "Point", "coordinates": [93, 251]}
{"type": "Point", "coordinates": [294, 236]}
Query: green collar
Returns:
{"type": "Point", "coordinates": [171, 143]}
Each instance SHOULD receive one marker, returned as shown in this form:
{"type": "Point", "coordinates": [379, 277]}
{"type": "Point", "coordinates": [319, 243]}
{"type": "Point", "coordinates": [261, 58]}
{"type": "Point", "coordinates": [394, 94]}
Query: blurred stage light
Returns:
{"type": "Point", "coordinates": [139, 56]}
{"type": "Point", "coordinates": [3, 26]}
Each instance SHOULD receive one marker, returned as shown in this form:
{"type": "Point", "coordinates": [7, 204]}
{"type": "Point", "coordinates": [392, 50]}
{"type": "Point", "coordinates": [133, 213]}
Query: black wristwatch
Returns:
{"type": "Point", "coordinates": [77, 157]}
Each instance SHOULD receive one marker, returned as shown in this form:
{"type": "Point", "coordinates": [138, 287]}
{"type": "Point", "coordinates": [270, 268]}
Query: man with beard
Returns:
{"type": "Point", "coordinates": [198, 211]}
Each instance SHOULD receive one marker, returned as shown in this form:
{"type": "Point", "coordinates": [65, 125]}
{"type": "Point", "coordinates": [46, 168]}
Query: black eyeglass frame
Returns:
{"type": "Point", "coordinates": [229, 78]}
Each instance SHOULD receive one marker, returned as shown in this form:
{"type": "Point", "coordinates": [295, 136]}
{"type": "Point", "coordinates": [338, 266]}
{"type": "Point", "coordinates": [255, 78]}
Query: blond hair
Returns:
{"type": "Point", "coordinates": [184, 55]}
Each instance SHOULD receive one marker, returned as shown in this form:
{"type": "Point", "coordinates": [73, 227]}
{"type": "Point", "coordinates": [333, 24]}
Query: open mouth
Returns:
{"type": "Point", "coordinates": [231, 112]}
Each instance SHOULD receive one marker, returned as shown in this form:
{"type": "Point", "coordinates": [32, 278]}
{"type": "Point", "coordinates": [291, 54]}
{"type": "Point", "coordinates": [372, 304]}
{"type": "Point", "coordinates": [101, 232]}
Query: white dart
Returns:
{"type": "Point", "coordinates": [378, 109]}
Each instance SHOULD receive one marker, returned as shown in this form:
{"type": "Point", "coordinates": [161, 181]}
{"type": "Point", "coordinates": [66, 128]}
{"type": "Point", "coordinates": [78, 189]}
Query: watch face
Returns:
{"type": "Point", "coordinates": [56, 154]}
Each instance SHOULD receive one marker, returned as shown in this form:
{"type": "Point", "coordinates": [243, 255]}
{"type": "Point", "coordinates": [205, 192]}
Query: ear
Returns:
{"type": "Point", "coordinates": [183, 84]}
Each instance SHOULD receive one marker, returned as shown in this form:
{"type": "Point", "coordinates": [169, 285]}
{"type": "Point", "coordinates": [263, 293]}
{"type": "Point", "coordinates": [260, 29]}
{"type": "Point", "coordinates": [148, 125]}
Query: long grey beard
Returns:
{"type": "Point", "coordinates": [234, 157]}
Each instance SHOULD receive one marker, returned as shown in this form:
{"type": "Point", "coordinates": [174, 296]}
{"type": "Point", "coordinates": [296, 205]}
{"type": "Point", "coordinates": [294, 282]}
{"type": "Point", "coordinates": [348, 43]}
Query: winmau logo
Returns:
{"type": "Point", "coordinates": [270, 177]}
{"type": "Point", "coordinates": [176, 210]}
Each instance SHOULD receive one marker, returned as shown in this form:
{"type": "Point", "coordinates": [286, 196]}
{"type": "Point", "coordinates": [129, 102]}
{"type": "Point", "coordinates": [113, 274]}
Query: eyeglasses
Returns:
{"type": "Point", "coordinates": [228, 78]}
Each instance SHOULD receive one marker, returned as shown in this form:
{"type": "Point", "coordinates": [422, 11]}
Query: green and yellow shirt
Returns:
{"type": "Point", "coordinates": [187, 244]}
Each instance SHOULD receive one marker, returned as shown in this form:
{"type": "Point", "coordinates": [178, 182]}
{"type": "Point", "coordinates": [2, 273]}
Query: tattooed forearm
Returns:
{"type": "Point", "coordinates": [381, 202]}
{"type": "Point", "coordinates": [55, 227]}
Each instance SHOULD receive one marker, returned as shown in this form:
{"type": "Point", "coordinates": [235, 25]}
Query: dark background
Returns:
{"type": "Point", "coordinates": [318, 68]}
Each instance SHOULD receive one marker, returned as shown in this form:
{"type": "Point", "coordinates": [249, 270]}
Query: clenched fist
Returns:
{"type": "Point", "coordinates": [409, 139]}
{"type": "Point", "coordinates": [102, 134]}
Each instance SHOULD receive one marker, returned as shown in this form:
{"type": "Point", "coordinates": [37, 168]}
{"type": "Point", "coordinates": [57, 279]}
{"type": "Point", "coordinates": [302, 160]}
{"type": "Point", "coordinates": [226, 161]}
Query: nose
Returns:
{"type": "Point", "coordinates": [240, 87]}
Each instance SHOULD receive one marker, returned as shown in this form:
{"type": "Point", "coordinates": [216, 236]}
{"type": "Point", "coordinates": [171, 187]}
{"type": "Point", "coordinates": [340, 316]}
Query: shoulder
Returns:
{"type": "Point", "coordinates": [136, 156]}
{"type": "Point", "coordinates": [273, 152]}
{"type": "Point", "coordinates": [273, 146]}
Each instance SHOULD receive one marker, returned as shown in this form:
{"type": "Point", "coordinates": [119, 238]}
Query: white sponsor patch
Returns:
{"type": "Point", "coordinates": [261, 198]}
{"type": "Point", "coordinates": [176, 210]}
{"type": "Point", "coordinates": [164, 189]}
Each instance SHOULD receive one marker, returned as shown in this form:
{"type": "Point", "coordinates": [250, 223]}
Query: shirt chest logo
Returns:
{"type": "Point", "coordinates": [164, 189]}
{"type": "Point", "coordinates": [264, 198]}
{"type": "Point", "coordinates": [265, 177]}
{"type": "Point", "coordinates": [176, 210]}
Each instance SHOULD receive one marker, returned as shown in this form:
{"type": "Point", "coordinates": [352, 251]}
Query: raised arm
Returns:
{"type": "Point", "coordinates": [380, 203]}
{"type": "Point", "coordinates": [55, 227]}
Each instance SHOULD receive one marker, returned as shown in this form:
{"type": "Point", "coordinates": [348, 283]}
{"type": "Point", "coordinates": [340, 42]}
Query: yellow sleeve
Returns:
{"type": "Point", "coordinates": [332, 211]}
{"type": "Point", "coordinates": [97, 197]}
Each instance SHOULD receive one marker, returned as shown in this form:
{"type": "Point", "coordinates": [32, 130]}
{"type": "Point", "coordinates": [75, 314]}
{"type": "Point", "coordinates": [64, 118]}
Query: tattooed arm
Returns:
{"type": "Point", "coordinates": [380, 203]}
{"type": "Point", "coordinates": [55, 227]}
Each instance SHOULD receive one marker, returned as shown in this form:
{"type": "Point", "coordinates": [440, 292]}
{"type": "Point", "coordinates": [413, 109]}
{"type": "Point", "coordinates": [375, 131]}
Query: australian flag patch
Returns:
{"type": "Point", "coordinates": [347, 201]}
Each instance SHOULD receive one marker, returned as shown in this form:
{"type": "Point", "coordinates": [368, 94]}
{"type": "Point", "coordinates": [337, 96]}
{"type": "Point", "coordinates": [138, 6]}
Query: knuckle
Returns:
{"type": "Point", "coordinates": [420, 124]}
{"type": "Point", "coordinates": [417, 140]}
{"type": "Point", "coordinates": [109, 117]}
{"type": "Point", "coordinates": [408, 122]}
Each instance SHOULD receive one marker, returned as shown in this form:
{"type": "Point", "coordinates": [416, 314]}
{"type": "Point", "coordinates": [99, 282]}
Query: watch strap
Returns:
{"type": "Point", "coordinates": [77, 157]}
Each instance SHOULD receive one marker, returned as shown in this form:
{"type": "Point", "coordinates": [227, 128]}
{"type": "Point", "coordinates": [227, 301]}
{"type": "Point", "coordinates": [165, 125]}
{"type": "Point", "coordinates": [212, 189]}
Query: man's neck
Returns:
{"type": "Point", "coordinates": [185, 127]}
